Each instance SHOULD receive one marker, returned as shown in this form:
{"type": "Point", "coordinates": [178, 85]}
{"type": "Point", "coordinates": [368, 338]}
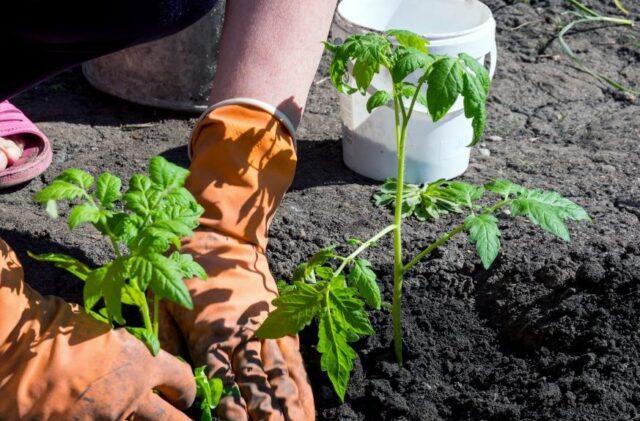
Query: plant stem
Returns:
{"type": "Point", "coordinates": [363, 247]}
{"type": "Point", "coordinates": [396, 310]}
{"type": "Point", "coordinates": [156, 312]}
{"type": "Point", "coordinates": [446, 237]}
{"type": "Point", "coordinates": [440, 241]}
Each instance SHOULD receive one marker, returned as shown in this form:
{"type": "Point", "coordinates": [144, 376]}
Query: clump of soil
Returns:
{"type": "Point", "coordinates": [550, 332]}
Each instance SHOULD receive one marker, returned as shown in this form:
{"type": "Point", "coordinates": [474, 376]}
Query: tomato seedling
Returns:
{"type": "Point", "coordinates": [141, 225]}
{"type": "Point", "coordinates": [337, 299]}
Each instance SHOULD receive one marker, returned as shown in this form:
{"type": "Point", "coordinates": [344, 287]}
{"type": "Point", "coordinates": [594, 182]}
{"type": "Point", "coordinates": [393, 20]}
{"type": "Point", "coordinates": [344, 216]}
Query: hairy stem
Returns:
{"type": "Point", "coordinates": [363, 247]}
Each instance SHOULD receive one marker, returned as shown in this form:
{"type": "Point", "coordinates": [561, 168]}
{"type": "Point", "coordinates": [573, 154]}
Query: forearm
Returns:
{"type": "Point", "coordinates": [270, 50]}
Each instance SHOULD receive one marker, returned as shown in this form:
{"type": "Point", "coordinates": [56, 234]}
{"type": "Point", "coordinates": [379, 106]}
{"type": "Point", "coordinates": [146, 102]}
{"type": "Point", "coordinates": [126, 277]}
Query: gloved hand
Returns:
{"type": "Point", "coordinates": [243, 162]}
{"type": "Point", "coordinates": [58, 363]}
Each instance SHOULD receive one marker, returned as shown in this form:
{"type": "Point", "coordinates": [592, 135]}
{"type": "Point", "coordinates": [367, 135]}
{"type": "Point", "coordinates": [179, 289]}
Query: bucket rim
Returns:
{"type": "Point", "coordinates": [353, 27]}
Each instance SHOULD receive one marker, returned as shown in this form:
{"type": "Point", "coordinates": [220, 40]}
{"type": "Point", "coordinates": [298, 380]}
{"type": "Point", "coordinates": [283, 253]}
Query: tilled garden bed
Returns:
{"type": "Point", "coordinates": [551, 331]}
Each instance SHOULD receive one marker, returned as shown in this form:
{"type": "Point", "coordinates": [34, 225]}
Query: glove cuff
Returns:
{"type": "Point", "coordinates": [255, 103]}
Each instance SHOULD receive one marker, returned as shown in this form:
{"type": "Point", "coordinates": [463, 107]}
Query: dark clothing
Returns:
{"type": "Point", "coordinates": [39, 38]}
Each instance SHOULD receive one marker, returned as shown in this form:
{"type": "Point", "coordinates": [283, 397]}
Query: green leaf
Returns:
{"type": "Point", "coordinates": [124, 226]}
{"type": "Point", "coordinates": [348, 311]}
{"type": "Point", "coordinates": [165, 174]}
{"type": "Point", "coordinates": [141, 269]}
{"type": "Point", "coordinates": [444, 86]}
{"type": "Point", "coordinates": [148, 338]}
{"type": "Point", "coordinates": [480, 72]}
{"type": "Point", "coordinates": [548, 210]}
{"type": "Point", "coordinates": [58, 190]}
{"type": "Point", "coordinates": [474, 96]}
{"type": "Point", "coordinates": [409, 39]}
{"type": "Point", "coordinates": [81, 214]}
{"type": "Point", "coordinates": [166, 281]}
{"type": "Point", "coordinates": [503, 187]}
{"type": "Point", "coordinates": [189, 267]}
{"type": "Point", "coordinates": [379, 99]}
{"type": "Point", "coordinates": [112, 285]}
{"type": "Point", "coordinates": [208, 391]}
{"type": "Point", "coordinates": [294, 310]}
{"type": "Point", "coordinates": [92, 290]}
{"type": "Point", "coordinates": [306, 271]}
{"type": "Point", "coordinates": [464, 193]}
{"type": "Point", "coordinates": [108, 189]}
{"type": "Point", "coordinates": [484, 233]}
{"type": "Point", "coordinates": [478, 123]}
{"type": "Point", "coordinates": [337, 356]}
{"type": "Point", "coordinates": [80, 178]}
{"type": "Point", "coordinates": [62, 261]}
{"type": "Point", "coordinates": [52, 209]}
{"type": "Point", "coordinates": [363, 72]}
{"type": "Point", "coordinates": [408, 61]}
{"type": "Point", "coordinates": [363, 278]}
{"type": "Point", "coordinates": [140, 183]}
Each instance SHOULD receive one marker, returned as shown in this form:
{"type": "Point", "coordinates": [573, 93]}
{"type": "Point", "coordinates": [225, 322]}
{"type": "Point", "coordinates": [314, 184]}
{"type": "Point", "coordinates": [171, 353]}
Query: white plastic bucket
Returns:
{"type": "Point", "coordinates": [433, 150]}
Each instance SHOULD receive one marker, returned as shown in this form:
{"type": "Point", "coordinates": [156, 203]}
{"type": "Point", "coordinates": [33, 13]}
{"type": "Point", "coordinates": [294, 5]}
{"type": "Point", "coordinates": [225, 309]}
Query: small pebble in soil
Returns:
{"type": "Point", "coordinates": [494, 138]}
{"type": "Point", "coordinates": [484, 152]}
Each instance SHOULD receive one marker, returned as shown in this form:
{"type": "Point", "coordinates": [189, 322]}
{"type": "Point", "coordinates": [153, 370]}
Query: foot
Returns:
{"type": "Point", "coordinates": [10, 151]}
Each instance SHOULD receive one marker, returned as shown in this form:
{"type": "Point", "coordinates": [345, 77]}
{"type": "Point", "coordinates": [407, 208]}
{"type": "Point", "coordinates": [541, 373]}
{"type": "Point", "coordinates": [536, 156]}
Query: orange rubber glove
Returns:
{"type": "Point", "coordinates": [243, 162]}
{"type": "Point", "coordinates": [58, 363]}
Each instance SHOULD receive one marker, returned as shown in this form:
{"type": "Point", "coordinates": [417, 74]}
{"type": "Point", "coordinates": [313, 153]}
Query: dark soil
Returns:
{"type": "Point", "coordinates": [550, 332]}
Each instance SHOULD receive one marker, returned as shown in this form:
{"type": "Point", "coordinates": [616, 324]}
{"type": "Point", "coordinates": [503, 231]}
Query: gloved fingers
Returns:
{"type": "Point", "coordinates": [152, 407]}
{"type": "Point", "coordinates": [174, 379]}
{"type": "Point", "coordinates": [290, 348]}
{"type": "Point", "coordinates": [284, 387]}
{"type": "Point", "coordinates": [171, 340]}
{"type": "Point", "coordinates": [231, 407]}
{"type": "Point", "coordinates": [262, 403]}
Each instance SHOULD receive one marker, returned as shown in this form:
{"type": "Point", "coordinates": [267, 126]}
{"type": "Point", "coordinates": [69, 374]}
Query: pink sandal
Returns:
{"type": "Point", "coordinates": [37, 153]}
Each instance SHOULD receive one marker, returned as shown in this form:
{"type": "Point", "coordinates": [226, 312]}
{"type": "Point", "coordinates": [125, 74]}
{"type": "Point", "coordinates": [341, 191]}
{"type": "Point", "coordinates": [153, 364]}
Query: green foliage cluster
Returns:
{"type": "Point", "coordinates": [435, 82]}
{"type": "Point", "coordinates": [142, 224]}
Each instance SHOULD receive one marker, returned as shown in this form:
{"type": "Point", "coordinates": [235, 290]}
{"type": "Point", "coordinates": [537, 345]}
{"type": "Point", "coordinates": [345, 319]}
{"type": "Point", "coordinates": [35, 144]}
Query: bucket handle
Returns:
{"type": "Point", "coordinates": [493, 56]}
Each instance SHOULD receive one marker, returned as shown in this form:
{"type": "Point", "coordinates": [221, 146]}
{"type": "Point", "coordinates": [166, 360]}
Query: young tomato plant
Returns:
{"type": "Point", "coordinates": [337, 299]}
{"type": "Point", "coordinates": [141, 225]}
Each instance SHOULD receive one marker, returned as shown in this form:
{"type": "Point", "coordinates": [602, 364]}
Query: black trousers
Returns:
{"type": "Point", "coordinates": [39, 38]}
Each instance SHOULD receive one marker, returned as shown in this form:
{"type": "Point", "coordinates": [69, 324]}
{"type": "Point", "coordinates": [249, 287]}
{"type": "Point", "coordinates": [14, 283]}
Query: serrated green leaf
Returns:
{"type": "Point", "coordinates": [464, 193]}
{"type": "Point", "coordinates": [479, 71]}
{"type": "Point", "coordinates": [545, 210]}
{"type": "Point", "coordinates": [137, 202]}
{"type": "Point", "coordinates": [363, 72]}
{"type": "Point", "coordinates": [348, 312]}
{"type": "Point", "coordinates": [165, 174]}
{"type": "Point", "coordinates": [503, 187]}
{"type": "Point", "coordinates": [58, 190]}
{"type": "Point", "coordinates": [294, 310]}
{"type": "Point", "coordinates": [409, 39]}
{"type": "Point", "coordinates": [141, 269]}
{"type": "Point", "coordinates": [108, 189]}
{"type": "Point", "coordinates": [484, 233]}
{"type": "Point", "coordinates": [80, 178]}
{"type": "Point", "coordinates": [166, 281]}
{"type": "Point", "coordinates": [125, 226]}
{"type": "Point", "coordinates": [337, 356]}
{"type": "Point", "coordinates": [114, 280]}
{"type": "Point", "coordinates": [189, 267]}
{"type": "Point", "coordinates": [306, 271]}
{"type": "Point", "coordinates": [444, 86]}
{"type": "Point", "coordinates": [81, 214]}
{"type": "Point", "coordinates": [379, 99]}
{"type": "Point", "coordinates": [62, 261]}
{"type": "Point", "coordinates": [408, 61]}
{"type": "Point", "coordinates": [92, 291]}
{"type": "Point", "coordinates": [140, 183]}
{"type": "Point", "coordinates": [474, 96]}
{"type": "Point", "coordinates": [363, 278]}
{"type": "Point", "coordinates": [478, 123]}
